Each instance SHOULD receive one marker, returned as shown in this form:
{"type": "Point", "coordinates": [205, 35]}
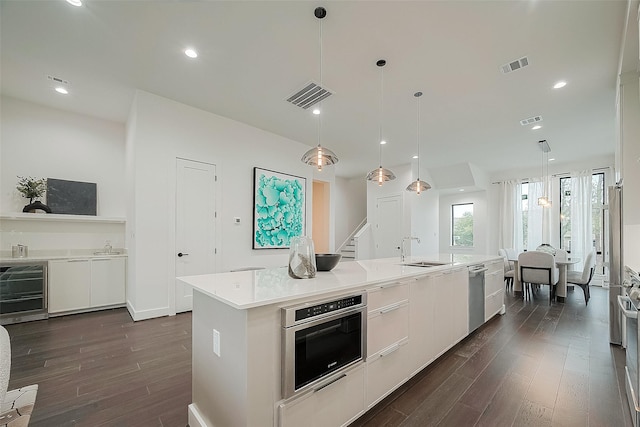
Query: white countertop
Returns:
{"type": "Point", "coordinates": [51, 255]}
{"type": "Point", "coordinates": [248, 289]}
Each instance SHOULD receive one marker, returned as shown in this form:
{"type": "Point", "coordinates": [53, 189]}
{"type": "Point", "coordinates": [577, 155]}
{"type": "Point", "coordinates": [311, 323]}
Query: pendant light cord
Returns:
{"type": "Point", "coordinates": [320, 115]}
{"type": "Point", "coordinates": [381, 110]}
{"type": "Point", "coordinates": [418, 135]}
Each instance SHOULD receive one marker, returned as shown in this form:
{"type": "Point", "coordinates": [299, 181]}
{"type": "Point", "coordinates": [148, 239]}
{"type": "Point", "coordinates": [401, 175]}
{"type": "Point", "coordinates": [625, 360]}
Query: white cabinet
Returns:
{"type": "Point", "coordinates": [451, 311]}
{"type": "Point", "coordinates": [387, 335]}
{"type": "Point", "coordinates": [337, 404]}
{"type": "Point", "coordinates": [493, 289]}
{"type": "Point", "coordinates": [69, 285]}
{"type": "Point", "coordinates": [422, 325]}
{"type": "Point", "coordinates": [107, 281]}
{"type": "Point", "coordinates": [81, 284]}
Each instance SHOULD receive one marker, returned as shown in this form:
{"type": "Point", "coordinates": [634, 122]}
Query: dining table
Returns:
{"type": "Point", "coordinates": [562, 263]}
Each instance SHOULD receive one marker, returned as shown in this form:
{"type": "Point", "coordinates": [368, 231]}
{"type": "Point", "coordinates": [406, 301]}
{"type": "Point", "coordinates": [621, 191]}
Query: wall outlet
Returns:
{"type": "Point", "coordinates": [216, 342]}
{"type": "Point", "coordinates": [236, 220]}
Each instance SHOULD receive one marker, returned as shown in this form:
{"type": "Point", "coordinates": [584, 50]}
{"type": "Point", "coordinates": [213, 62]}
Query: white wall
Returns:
{"type": "Point", "coordinates": [480, 221]}
{"type": "Point", "coordinates": [161, 130]}
{"type": "Point", "coordinates": [351, 206]}
{"type": "Point", "coordinates": [48, 143]}
{"type": "Point", "coordinates": [420, 212]}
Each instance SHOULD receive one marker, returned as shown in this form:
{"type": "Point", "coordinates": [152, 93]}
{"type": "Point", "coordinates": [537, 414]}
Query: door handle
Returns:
{"type": "Point", "coordinates": [180, 254]}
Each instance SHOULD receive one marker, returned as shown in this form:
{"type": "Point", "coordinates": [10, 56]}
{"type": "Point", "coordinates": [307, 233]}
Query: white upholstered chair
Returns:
{"type": "Point", "coordinates": [537, 268]}
{"type": "Point", "coordinates": [583, 278]}
{"type": "Point", "coordinates": [15, 405]}
{"type": "Point", "coordinates": [509, 271]}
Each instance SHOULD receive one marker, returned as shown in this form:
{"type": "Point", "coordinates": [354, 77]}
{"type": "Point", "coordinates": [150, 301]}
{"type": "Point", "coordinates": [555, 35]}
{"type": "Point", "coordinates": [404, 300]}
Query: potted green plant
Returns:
{"type": "Point", "coordinates": [32, 188]}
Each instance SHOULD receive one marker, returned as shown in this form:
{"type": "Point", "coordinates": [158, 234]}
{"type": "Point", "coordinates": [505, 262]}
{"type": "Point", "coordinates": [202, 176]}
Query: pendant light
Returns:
{"type": "Point", "coordinates": [544, 200]}
{"type": "Point", "coordinates": [418, 186]}
{"type": "Point", "coordinates": [380, 174]}
{"type": "Point", "coordinates": [320, 156]}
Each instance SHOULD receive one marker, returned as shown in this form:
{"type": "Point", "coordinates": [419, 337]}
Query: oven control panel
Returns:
{"type": "Point", "coordinates": [327, 307]}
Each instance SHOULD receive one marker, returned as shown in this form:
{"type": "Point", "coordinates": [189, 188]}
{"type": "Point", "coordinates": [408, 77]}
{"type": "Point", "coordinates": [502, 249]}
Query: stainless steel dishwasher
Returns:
{"type": "Point", "coordinates": [476, 296]}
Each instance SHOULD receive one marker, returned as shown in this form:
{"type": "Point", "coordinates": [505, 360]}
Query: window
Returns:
{"type": "Point", "coordinates": [462, 225]}
{"type": "Point", "coordinates": [597, 200]}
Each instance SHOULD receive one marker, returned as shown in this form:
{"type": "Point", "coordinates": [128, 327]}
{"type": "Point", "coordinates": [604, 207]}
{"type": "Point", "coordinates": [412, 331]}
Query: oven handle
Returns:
{"type": "Point", "coordinates": [631, 314]}
{"type": "Point", "coordinates": [326, 318]}
{"type": "Point", "coordinates": [335, 380]}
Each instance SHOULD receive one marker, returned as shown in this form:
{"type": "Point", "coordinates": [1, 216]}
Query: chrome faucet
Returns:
{"type": "Point", "coordinates": [402, 254]}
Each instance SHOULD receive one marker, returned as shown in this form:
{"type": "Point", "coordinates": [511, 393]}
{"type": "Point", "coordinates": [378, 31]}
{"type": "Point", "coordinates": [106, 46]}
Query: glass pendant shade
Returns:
{"type": "Point", "coordinates": [380, 175]}
{"type": "Point", "coordinates": [319, 157]}
{"type": "Point", "coordinates": [418, 186]}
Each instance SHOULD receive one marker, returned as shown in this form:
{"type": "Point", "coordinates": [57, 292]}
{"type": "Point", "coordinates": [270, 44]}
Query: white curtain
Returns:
{"type": "Point", "coordinates": [581, 218]}
{"type": "Point", "coordinates": [510, 232]}
{"type": "Point", "coordinates": [538, 217]}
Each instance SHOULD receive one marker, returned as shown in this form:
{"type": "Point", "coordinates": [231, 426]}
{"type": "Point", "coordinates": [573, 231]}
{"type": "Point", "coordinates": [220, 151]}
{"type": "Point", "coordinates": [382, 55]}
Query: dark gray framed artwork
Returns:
{"type": "Point", "coordinates": [72, 197]}
{"type": "Point", "coordinates": [279, 208]}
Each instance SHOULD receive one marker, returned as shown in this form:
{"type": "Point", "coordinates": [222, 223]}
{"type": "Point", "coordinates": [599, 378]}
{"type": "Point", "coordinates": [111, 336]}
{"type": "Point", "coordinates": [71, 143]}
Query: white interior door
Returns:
{"type": "Point", "coordinates": [195, 225]}
{"type": "Point", "coordinates": [389, 226]}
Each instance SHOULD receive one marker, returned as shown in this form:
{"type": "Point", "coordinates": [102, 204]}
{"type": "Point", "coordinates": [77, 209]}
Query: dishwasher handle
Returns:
{"type": "Point", "coordinates": [473, 273]}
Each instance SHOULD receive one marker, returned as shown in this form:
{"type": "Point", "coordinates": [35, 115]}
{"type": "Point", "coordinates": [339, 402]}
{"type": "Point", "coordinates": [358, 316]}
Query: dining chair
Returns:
{"type": "Point", "coordinates": [583, 278]}
{"type": "Point", "coordinates": [537, 268]}
{"type": "Point", "coordinates": [509, 272]}
{"type": "Point", "coordinates": [15, 405]}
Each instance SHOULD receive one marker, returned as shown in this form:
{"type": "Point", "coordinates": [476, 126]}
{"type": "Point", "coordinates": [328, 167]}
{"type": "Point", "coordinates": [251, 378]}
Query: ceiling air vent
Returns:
{"type": "Point", "coordinates": [514, 65]}
{"type": "Point", "coordinates": [531, 120]}
{"type": "Point", "coordinates": [309, 95]}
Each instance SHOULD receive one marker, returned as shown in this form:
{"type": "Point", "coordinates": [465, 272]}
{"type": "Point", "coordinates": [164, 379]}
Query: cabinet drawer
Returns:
{"type": "Point", "coordinates": [337, 404]}
{"type": "Point", "coordinates": [494, 266]}
{"type": "Point", "coordinates": [387, 294]}
{"type": "Point", "coordinates": [386, 372]}
{"type": "Point", "coordinates": [387, 326]}
{"type": "Point", "coordinates": [493, 304]}
{"type": "Point", "coordinates": [493, 282]}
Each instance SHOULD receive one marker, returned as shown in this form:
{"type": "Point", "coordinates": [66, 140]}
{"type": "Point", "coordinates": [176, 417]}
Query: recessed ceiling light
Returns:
{"type": "Point", "coordinates": [383, 142]}
{"type": "Point", "coordinates": [191, 53]}
{"type": "Point", "coordinates": [415, 157]}
{"type": "Point", "coordinates": [536, 127]}
{"type": "Point", "coordinates": [316, 111]}
{"type": "Point", "coordinates": [560, 84]}
{"type": "Point", "coordinates": [76, 3]}
{"type": "Point", "coordinates": [462, 189]}
{"type": "Point", "coordinates": [551, 160]}
{"type": "Point", "coordinates": [62, 90]}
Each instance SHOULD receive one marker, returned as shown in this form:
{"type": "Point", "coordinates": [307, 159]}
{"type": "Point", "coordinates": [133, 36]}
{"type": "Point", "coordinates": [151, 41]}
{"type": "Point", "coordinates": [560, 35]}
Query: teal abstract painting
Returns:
{"type": "Point", "coordinates": [279, 208]}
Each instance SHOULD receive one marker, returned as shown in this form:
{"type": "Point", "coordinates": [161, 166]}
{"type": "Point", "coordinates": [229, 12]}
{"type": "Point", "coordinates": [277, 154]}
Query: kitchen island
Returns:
{"type": "Point", "coordinates": [413, 315]}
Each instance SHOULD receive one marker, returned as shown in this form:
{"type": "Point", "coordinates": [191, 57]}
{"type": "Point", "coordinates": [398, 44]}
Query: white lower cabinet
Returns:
{"type": "Point", "coordinates": [422, 325]}
{"type": "Point", "coordinates": [493, 289]}
{"type": "Point", "coordinates": [386, 371]}
{"type": "Point", "coordinates": [81, 284]}
{"type": "Point", "coordinates": [336, 404]}
{"type": "Point", "coordinates": [69, 285]}
{"type": "Point", "coordinates": [107, 281]}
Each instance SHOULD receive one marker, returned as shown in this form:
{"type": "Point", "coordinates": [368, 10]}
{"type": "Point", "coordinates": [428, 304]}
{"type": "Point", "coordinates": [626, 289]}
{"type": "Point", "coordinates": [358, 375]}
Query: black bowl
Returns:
{"type": "Point", "coordinates": [325, 262]}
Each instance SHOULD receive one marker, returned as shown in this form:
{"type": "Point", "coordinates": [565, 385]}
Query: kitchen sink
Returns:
{"type": "Point", "coordinates": [107, 253]}
{"type": "Point", "coordinates": [425, 264]}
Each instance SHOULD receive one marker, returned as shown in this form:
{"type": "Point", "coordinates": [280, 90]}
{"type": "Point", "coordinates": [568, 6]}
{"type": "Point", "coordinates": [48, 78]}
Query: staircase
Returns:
{"type": "Point", "coordinates": [348, 251]}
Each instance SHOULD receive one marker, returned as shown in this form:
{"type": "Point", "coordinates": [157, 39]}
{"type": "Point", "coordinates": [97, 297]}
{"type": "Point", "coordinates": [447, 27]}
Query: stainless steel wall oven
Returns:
{"type": "Point", "coordinates": [319, 339]}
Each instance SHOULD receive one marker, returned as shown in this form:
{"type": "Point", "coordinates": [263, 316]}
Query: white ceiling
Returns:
{"type": "Point", "coordinates": [254, 54]}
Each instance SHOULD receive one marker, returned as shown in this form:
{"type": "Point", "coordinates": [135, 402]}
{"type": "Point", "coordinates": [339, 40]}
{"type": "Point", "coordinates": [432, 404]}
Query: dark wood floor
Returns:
{"type": "Point", "coordinates": [537, 365]}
